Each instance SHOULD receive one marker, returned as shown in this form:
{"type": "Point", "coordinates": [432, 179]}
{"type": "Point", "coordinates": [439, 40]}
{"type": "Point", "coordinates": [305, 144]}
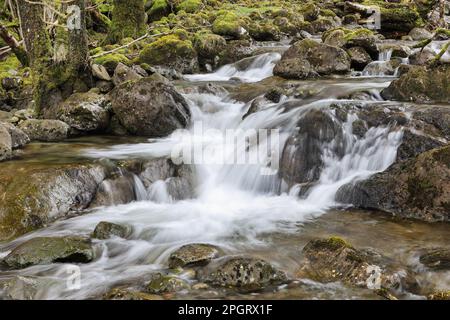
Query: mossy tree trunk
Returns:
{"type": "Point", "coordinates": [128, 20]}
{"type": "Point", "coordinates": [58, 55]}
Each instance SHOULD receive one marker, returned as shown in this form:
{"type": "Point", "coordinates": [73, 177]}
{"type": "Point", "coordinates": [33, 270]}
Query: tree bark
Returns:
{"type": "Point", "coordinates": [128, 20]}
{"type": "Point", "coordinates": [15, 46]}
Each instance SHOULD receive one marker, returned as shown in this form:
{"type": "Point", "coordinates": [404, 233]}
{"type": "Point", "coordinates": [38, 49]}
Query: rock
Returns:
{"type": "Point", "coordinates": [211, 88]}
{"type": "Point", "coordinates": [242, 273]}
{"type": "Point", "coordinates": [209, 46]}
{"type": "Point", "coordinates": [311, 12]}
{"type": "Point", "coordinates": [150, 108]}
{"type": "Point", "coordinates": [5, 144]}
{"type": "Point", "coordinates": [11, 83]}
{"type": "Point", "coordinates": [436, 259]}
{"type": "Point", "coordinates": [334, 259]}
{"type": "Point", "coordinates": [421, 84]}
{"type": "Point", "coordinates": [161, 283]}
{"type": "Point", "coordinates": [359, 58]}
{"type": "Point", "coordinates": [45, 130]}
{"type": "Point", "coordinates": [18, 138]}
{"type": "Point", "coordinates": [335, 38]}
{"type": "Point", "coordinates": [171, 51]}
{"type": "Point", "coordinates": [421, 57]}
{"type": "Point", "coordinates": [414, 143]}
{"type": "Point", "coordinates": [129, 295]}
{"type": "Point", "coordinates": [105, 230]}
{"type": "Point", "coordinates": [115, 191]}
{"type": "Point", "coordinates": [193, 254]}
{"type": "Point", "coordinates": [307, 58]}
{"type": "Point", "coordinates": [235, 50]}
{"type": "Point", "coordinates": [24, 287]}
{"type": "Point", "coordinates": [85, 112]}
{"type": "Point", "coordinates": [104, 86]}
{"type": "Point", "coordinates": [418, 188]}
{"type": "Point", "coordinates": [100, 72]}
{"type": "Point", "coordinates": [359, 128]}
{"type": "Point", "coordinates": [380, 68]}
{"type": "Point", "coordinates": [123, 73]}
{"type": "Point", "coordinates": [46, 250]}
{"type": "Point", "coordinates": [228, 25]}
{"type": "Point", "coordinates": [301, 160]}
{"type": "Point", "coordinates": [264, 32]}
{"type": "Point", "coordinates": [443, 295]}
{"type": "Point", "coordinates": [36, 195]}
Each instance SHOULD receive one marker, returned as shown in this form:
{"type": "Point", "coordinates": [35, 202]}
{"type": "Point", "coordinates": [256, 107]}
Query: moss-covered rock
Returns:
{"type": "Point", "coordinates": [110, 61]}
{"type": "Point", "coordinates": [159, 9]}
{"type": "Point", "coordinates": [45, 130]}
{"type": "Point", "coordinates": [162, 283]}
{"type": "Point", "coordinates": [421, 84]}
{"type": "Point", "coordinates": [128, 20]}
{"type": "Point", "coordinates": [171, 51]}
{"type": "Point", "coordinates": [209, 45]}
{"type": "Point", "coordinates": [193, 254]}
{"type": "Point", "coordinates": [50, 250]}
{"type": "Point", "coordinates": [130, 295]}
{"type": "Point", "coordinates": [105, 230]}
{"type": "Point", "coordinates": [36, 195]}
{"type": "Point", "coordinates": [264, 32]}
{"type": "Point", "coordinates": [436, 259]}
{"type": "Point", "coordinates": [228, 24]}
{"type": "Point", "coordinates": [190, 6]}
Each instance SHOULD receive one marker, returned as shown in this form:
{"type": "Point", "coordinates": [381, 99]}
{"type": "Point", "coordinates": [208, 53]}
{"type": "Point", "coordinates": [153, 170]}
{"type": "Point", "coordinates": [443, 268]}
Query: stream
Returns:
{"type": "Point", "coordinates": [241, 208]}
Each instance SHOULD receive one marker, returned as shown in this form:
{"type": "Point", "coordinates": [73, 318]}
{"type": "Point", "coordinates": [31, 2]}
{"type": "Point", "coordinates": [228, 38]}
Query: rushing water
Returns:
{"type": "Point", "coordinates": [236, 206]}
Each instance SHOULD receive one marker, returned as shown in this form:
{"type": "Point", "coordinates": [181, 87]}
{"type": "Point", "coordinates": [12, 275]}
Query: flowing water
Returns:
{"type": "Point", "coordinates": [242, 208]}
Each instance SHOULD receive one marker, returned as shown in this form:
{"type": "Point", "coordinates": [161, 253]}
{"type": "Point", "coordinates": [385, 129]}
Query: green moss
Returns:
{"type": "Point", "coordinates": [227, 24]}
{"type": "Point", "coordinates": [190, 6]}
{"type": "Point", "coordinates": [421, 192]}
{"type": "Point", "coordinates": [442, 155]}
{"type": "Point", "coordinates": [128, 20]}
{"type": "Point", "coordinates": [9, 67]}
{"type": "Point", "coordinates": [159, 9]}
{"type": "Point", "coordinates": [209, 45]}
{"type": "Point", "coordinates": [110, 61]}
{"type": "Point", "coordinates": [165, 49]}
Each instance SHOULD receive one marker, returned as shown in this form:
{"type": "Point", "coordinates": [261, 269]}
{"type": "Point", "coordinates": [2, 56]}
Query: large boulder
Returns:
{"type": "Point", "coordinates": [116, 190]}
{"type": "Point", "coordinates": [193, 254]}
{"type": "Point", "coordinates": [308, 58]}
{"type": "Point", "coordinates": [18, 138]}
{"type": "Point", "coordinates": [36, 195]}
{"type": "Point", "coordinates": [150, 108]}
{"type": "Point", "coordinates": [242, 273]}
{"type": "Point", "coordinates": [85, 112]}
{"type": "Point", "coordinates": [49, 250]}
{"type": "Point", "coordinates": [45, 130]}
{"type": "Point", "coordinates": [334, 259]}
{"type": "Point", "coordinates": [421, 84]}
{"type": "Point", "coordinates": [418, 188]}
{"type": "Point", "coordinates": [5, 144]}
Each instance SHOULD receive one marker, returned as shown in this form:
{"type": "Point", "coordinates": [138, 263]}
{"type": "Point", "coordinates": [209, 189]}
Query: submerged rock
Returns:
{"type": "Point", "coordinates": [193, 254]}
{"type": "Point", "coordinates": [436, 259]}
{"type": "Point", "coordinates": [308, 58]}
{"type": "Point", "coordinates": [417, 188]}
{"type": "Point", "coordinates": [150, 108]}
{"type": "Point", "coordinates": [421, 84]}
{"type": "Point", "coordinates": [45, 130]}
{"type": "Point", "coordinates": [242, 273]}
{"type": "Point", "coordinates": [50, 250]}
{"type": "Point", "coordinates": [105, 230]}
{"type": "Point", "coordinates": [161, 283]}
{"type": "Point", "coordinates": [130, 295]}
{"type": "Point", "coordinates": [115, 191]}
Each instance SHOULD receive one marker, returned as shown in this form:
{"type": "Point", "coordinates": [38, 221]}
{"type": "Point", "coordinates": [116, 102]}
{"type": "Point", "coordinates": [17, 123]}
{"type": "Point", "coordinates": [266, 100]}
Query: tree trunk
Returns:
{"type": "Point", "coordinates": [128, 20]}
{"type": "Point", "coordinates": [59, 61]}
{"type": "Point", "coordinates": [15, 46]}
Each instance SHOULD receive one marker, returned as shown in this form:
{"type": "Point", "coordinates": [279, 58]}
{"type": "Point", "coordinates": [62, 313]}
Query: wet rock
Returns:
{"type": "Point", "coordinates": [24, 287]}
{"type": "Point", "coordinates": [307, 58]}
{"type": "Point", "coordinates": [301, 159]}
{"type": "Point", "coordinates": [104, 86]}
{"type": "Point", "coordinates": [193, 254]}
{"type": "Point", "coordinates": [436, 259]}
{"type": "Point", "coordinates": [85, 112]}
{"type": "Point", "coordinates": [359, 58]}
{"type": "Point", "coordinates": [36, 195]}
{"type": "Point", "coordinates": [154, 170]}
{"type": "Point", "coordinates": [50, 250]}
{"type": "Point", "coordinates": [150, 108]}
{"type": "Point", "coordinates": [242, 273]}
{"type": "Point", "coordinates": [100, 72]}
{"type": "Point", "coordinates": [359, 128]}
{"type": "Point", "coordinates": [105, 230]}
{"type": "Point", "coordinates": [417, 188]}
{"type": "Point", "coordinates": [123, 73]}
{"type": "Point", "coordinates": [45, 130]}
{"type": "Point", "coordinates": [18, 137]}
{"type": "Point", "coordinates": [335, 38]}
{"type": "Point", "coordinates": [414, 144]}
{"type": "Point", "coordinates": [421, 84]}
{"type": "Point", "coordinates": [114, 191]}
{"type": "Point", "coordinates": [443, 295]}
{"type": "Point", "coordinates": [5, 144]}
{"type": "Point", "coordinates": [162, 283]}
{"type": "Point", "coordinates": [130, 295]}
{"type": "Point", "coordinates": [214, 89]}
{"type": "Point", "coordinates": [380, 68]}
{"type": "Point", "coordinates": [334, 259]}
{"type": "Point", "coordinates": [274, 95]}
{"type": "Point", "coordinates": [264, 32]}
{"type": "Point", "coordinates": [235, 50]}
{"type": "Point", "coordinates": [421, 57]}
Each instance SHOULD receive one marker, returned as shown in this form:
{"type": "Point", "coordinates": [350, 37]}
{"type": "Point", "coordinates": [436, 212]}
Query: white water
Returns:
{"type": "Point", "coordinates": [235, 204]}
{"type": "Point", "coordinates": [259, 69]}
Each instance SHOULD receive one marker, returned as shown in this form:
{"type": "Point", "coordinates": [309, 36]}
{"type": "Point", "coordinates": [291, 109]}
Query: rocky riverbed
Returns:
{"type": "Point", "coordinates": [355, 204]}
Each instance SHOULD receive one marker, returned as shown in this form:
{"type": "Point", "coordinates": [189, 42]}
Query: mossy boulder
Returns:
{"type": "Point", "coordinates": [418, 188]}
{"type": "Point", "coordinates": [163, 283]}
{"type": "Point", "coordinates": [193, 254]}
{"type": "Point", "coordinates": [36, 195]}
{"type": "Point", "coordinates": [359, 58]}
{"type": "Point", "coordinates": [264, 32]}
{"type": "Point", "coordinates": [421, 84]}
{"type": "Point", "coordinates": [50, 250]}
{"type": "Point", "coordinates": [45, 130]}
{"type": "Point", "coordinates": [171, 51]}
{"type": "Point", "coordinates": [229, 25]}
{"type": "Point", "coordinates": [190, 6]}
{"type": "Point", "coordinates": [105, 230]}
{"type": "Point", "coordinates": [150, 108]}
{"type": "Point", "coordinates": [130, 295]}
{"type": "Point", "coordinates": [308, 58]}
{"type": "Point", "coordinates": [128, 20]}
{"type": "Point", "coordinates": [242, 273]}
{"type": "Point", "coordinates": [334, 259]}
{"type": "Point", "coordinates": [110, 61]}
{"type": "Point", "coordinates": [209, 45]}
{"type": "Point", "coordinates": [159, 9]}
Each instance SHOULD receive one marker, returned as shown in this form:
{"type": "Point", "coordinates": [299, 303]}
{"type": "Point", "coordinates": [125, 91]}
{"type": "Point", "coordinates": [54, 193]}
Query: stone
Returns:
{"type": "Point", "coordinates": [123, 73]}
{"type": "Point", "coordinates": [45, 250]}
{"type": "Point", "coordinates": [162, 283]}
{"type": "Point", "coordinates": [45, 130]}
{"type": "Point", "coordinates": [100, 72]}
{"type": "Point", "coordinates": [193, 254]}
{"type": "Point", "coordinates": [105, 230]}
{"type": "Point", "coordinates": [436, 259]}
